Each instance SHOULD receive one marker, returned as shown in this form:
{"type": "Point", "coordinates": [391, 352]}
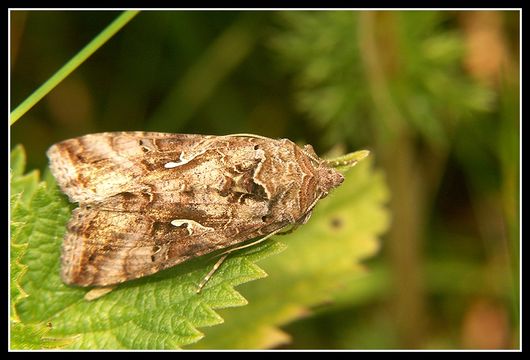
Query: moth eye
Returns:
{"type": "Point", "coordinates": [256, 147]}
{"type": "Point", "coordinates": [265, 218]}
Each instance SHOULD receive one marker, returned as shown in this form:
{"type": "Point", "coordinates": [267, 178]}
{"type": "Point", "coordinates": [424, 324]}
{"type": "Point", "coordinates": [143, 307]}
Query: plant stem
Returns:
{"type": "Point", "coordinates": [405, 180]}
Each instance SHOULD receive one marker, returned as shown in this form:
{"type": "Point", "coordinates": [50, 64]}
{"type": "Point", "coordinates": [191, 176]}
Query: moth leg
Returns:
{"type": "Point", "coordinates": [225, 255]}
{"type": "Point", "coordinates": [209, 275]}
{"type": "Point", "coordinates": [98, 292]}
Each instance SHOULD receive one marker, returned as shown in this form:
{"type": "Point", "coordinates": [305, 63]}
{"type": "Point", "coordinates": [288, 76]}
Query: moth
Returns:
{"type": "Point", "coordinates": [149, 201]}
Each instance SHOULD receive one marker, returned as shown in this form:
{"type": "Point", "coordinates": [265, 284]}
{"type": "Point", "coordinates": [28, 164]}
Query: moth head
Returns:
{"type": "Point", "coordinates": [329, 178]}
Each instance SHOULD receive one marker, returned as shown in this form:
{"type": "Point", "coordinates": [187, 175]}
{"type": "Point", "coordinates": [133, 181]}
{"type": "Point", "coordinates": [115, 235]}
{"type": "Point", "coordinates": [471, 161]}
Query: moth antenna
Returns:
{"type": "Point", "coordinates": [348, 160]}
{"type": "Point", "coordinates": [249, 135]}
{"type": "Point", "coordinates": [289, 231]}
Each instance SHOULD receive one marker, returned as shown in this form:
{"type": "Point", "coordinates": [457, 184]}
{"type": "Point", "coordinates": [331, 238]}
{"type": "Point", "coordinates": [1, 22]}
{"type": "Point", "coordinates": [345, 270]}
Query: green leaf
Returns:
{"type": "Point", "coordinates": [323, 257]}
{"type": "Point", "coordinates": [23, 189]}
{"type": "Point", "coordinates": [23, 185]}
{"type": "Point", "coordinates": [18, 248]}
{"type": "Point", "coordinates": [34, 337]}
{"type": "Point", "coordinates": [17, 161]}
{"type": "Point", "coordinates": [161, 311]}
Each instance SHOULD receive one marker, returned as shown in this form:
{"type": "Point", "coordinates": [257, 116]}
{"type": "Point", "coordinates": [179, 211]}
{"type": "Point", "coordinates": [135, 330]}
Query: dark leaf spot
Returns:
{"type": "Point", "coordinates": [336, 223]}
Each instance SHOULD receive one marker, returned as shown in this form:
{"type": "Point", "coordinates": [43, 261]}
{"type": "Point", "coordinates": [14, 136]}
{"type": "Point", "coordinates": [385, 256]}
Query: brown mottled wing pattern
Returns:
{"type": "Point", "coordinates": [148, 201]}
{"type": "Point", "coordinates": [95, 166]}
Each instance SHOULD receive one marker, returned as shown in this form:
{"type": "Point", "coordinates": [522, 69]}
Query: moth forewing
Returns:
{"type": "Point", "coordinates": [149, 201]}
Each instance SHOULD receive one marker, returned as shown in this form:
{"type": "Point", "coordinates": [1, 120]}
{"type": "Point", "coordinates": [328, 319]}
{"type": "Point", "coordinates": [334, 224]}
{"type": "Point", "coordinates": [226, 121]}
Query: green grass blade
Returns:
{"type": "Point", "coordinates": [71, 65]}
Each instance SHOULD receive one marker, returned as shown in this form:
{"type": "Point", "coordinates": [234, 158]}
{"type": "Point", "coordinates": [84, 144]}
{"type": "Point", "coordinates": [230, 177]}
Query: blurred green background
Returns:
{"type": "Point", "coordinates": [433, 94]}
